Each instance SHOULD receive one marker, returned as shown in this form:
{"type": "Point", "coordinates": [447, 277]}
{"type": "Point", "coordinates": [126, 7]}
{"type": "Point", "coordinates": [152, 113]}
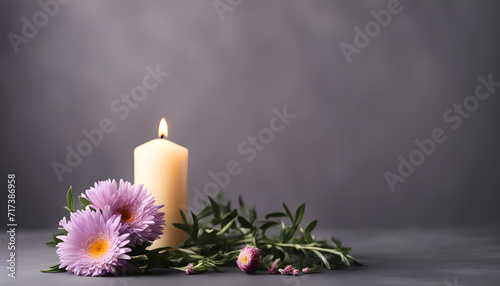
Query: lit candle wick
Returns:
{"type": "Point", "coordinates": [163, 129]}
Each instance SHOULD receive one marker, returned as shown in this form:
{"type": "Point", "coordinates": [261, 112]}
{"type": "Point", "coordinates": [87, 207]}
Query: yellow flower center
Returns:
{"type": "Point", "coordinates": [97, 247]}
{"type": "Point", "coordinates": [245, 259]}
{"type": "Point", "coordinates": [127, 216]}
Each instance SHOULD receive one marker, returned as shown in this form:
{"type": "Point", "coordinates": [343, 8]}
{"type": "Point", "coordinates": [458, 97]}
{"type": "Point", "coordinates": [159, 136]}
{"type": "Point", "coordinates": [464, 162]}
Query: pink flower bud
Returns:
{"type": "Point", "coordinates": [288, 269]}
{"type": "Point", "coordinates": [189, 269]}
{"type": "Point", "coordinates": [248, 259]}
{"type": "Point", "coordinates": [274, 267]}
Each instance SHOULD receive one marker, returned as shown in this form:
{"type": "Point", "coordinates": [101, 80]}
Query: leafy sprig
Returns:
{"type": "Point", "coordinates": [218, 232]}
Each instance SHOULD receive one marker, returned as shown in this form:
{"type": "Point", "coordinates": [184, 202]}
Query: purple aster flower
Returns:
{"type": "Point", "coordinates": [137, 208]}
{"type": "Point", "coordinates": [274, 267]}
{"type": "Point", "coordinates": [305, 270]}
{"type": "Point", "coordinates": [248, 259]}
{"type": "Point", "coordinates": [288, 269]}
{"type": "Point", "coordinates": [189, 269]}
{"type": "Point", "coordinates": [295, 272]}
{"type": "Point", "coordinates": [94, 245]}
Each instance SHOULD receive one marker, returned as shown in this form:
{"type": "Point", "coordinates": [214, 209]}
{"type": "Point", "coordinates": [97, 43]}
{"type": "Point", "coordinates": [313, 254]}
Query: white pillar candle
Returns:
{"type": "Point", "coordinates": [162, 166]}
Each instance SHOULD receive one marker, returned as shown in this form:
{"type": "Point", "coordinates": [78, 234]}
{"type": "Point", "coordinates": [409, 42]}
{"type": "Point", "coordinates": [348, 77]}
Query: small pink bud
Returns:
{"type": "Point", "coordinates": [189, 269]}
{"type": "Point", "coordinates": [274, 267]}
{"type": "Point", "coordinates": [288, 269]}
{"type": "Point", "coordinates": [305, 270]}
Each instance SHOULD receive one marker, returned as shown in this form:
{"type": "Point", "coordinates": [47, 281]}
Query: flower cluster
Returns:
{"type": "Point", "coordinates": [98, 238]}
{"type": "Point", "coordinates": [139, 215]}
{"type": "Point", "coordinates": [113, 230]}
{"type": "Point", "coordinates": [289, 270]}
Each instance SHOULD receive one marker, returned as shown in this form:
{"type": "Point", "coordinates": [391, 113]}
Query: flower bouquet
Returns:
{"type": "Point", "coordinates": [113, 230]}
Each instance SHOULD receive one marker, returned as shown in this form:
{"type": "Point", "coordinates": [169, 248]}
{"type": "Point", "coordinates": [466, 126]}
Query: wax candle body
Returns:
{"type": "Point", "coordinates": [162, 166]}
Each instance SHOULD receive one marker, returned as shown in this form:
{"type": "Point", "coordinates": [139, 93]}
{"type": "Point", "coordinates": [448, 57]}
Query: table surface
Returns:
{"type": "Point", "coordinates": [458, 256]}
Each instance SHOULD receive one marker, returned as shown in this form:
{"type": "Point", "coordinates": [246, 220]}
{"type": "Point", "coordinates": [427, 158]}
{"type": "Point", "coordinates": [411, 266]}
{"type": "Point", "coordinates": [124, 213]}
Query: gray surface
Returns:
{"type": "Point", "coordinates": [391, 257]}
{"type": "Point", "coordinates": [353, 120]}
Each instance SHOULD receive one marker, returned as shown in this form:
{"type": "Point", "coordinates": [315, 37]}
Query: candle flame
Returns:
{"type": "Point", "coordinates": [163, 128]}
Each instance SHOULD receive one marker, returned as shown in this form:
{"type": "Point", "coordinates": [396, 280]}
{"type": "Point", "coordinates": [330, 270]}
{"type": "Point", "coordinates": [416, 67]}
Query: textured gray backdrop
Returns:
{"type": "Point", "coordinates": [226, 77]}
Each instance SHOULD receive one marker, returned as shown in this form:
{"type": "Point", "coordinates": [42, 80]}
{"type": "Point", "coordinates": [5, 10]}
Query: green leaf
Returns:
{"type": "Point", "coordinates": [323, 258]}
{"type": "Point", "coordinates": [314, 268]}
{"type": "Point", "coordinates": [200, 268]}
{"type": "Point", "coordinates": [227, 208]}
{"type": "Point", "coordinates": [240, 202]}
{"type": "Point", "coordinates": [215, 208]}
{"type": "Point", "coordinates": [184, 227]}
{"type": "Point", "coordinates": [267, 225]}
{"type": "Point", "coordinates": [307, 232]}
{"type": "Point", "coordinates": [183, 216]}
{"type": "Point", "coordinates": [244, 223]}
{"type": "Point", "coordinates": [219, 196]}
{"type": "Point", "coordinates": [55, 240]}
{"type": "Point", "coordinates": [254, 237]}
{"type": "Point", "coordinates": [71, 200]}
{"type": "Point", "coordinates": [229, 217]}
{"type": "Point", "coordinates": [283, 231]}
{"type": "Point", "coordinates": [194, 233]}
{"type": "Point", "coordinates": [54, 269]}
{"type": "Point", "coordinates": [139, 249]}
{"type": "Point", "coordinates": [352, 258]}
{"type": "Point", "coordinates": [299, 214]}
{"type": "Point", "coordinates": [337, 242]}
{"type": "Point", "coordinates": [253, 215]}
{"type": "Point", "coordinates": [226, 227]}
{"type": "Point", "coordinates": [215, 268]}
{"type": "Point", "coordinates": [310, 227]}
{"type": "Point", "coordinates": [276, 214]}
{"type": "Point", "coordinates": [345, 250]}
{"type": "Point", "coordinates": [207, 211]}
{"type": "Point", "coordinates": [51, 243]}
{"type": "Point", "coordinates": [288, 212]}
{"type": "Point", "coordinates": [290, 233]}
{"type": "Point", "coordinates": [141, 262]}
{"type": "Point", "coordinates": [84, 202]}
{"type": "Point", "coordinates": [345, 261]}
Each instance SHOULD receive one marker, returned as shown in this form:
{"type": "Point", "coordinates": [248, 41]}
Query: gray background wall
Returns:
{"type": "Point", "coordinates": [353, 119]}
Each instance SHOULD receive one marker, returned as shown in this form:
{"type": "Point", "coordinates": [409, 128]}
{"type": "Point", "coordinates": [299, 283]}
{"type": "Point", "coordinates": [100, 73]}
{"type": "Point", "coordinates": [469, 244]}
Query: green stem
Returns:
{"type": "Point", "coordinates": [299, 246]}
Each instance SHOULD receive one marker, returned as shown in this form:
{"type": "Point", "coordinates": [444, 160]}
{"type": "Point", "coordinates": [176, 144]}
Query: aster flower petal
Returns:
{"type": "Point", "coordinates": [92, 245]}
{"type": "Point", "coordinates": [140, 217]}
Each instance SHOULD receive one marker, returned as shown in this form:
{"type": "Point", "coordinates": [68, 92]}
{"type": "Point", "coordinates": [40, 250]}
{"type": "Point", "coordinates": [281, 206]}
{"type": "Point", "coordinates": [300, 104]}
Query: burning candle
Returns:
{"type": "Point", "coordinates": [162, 166]}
